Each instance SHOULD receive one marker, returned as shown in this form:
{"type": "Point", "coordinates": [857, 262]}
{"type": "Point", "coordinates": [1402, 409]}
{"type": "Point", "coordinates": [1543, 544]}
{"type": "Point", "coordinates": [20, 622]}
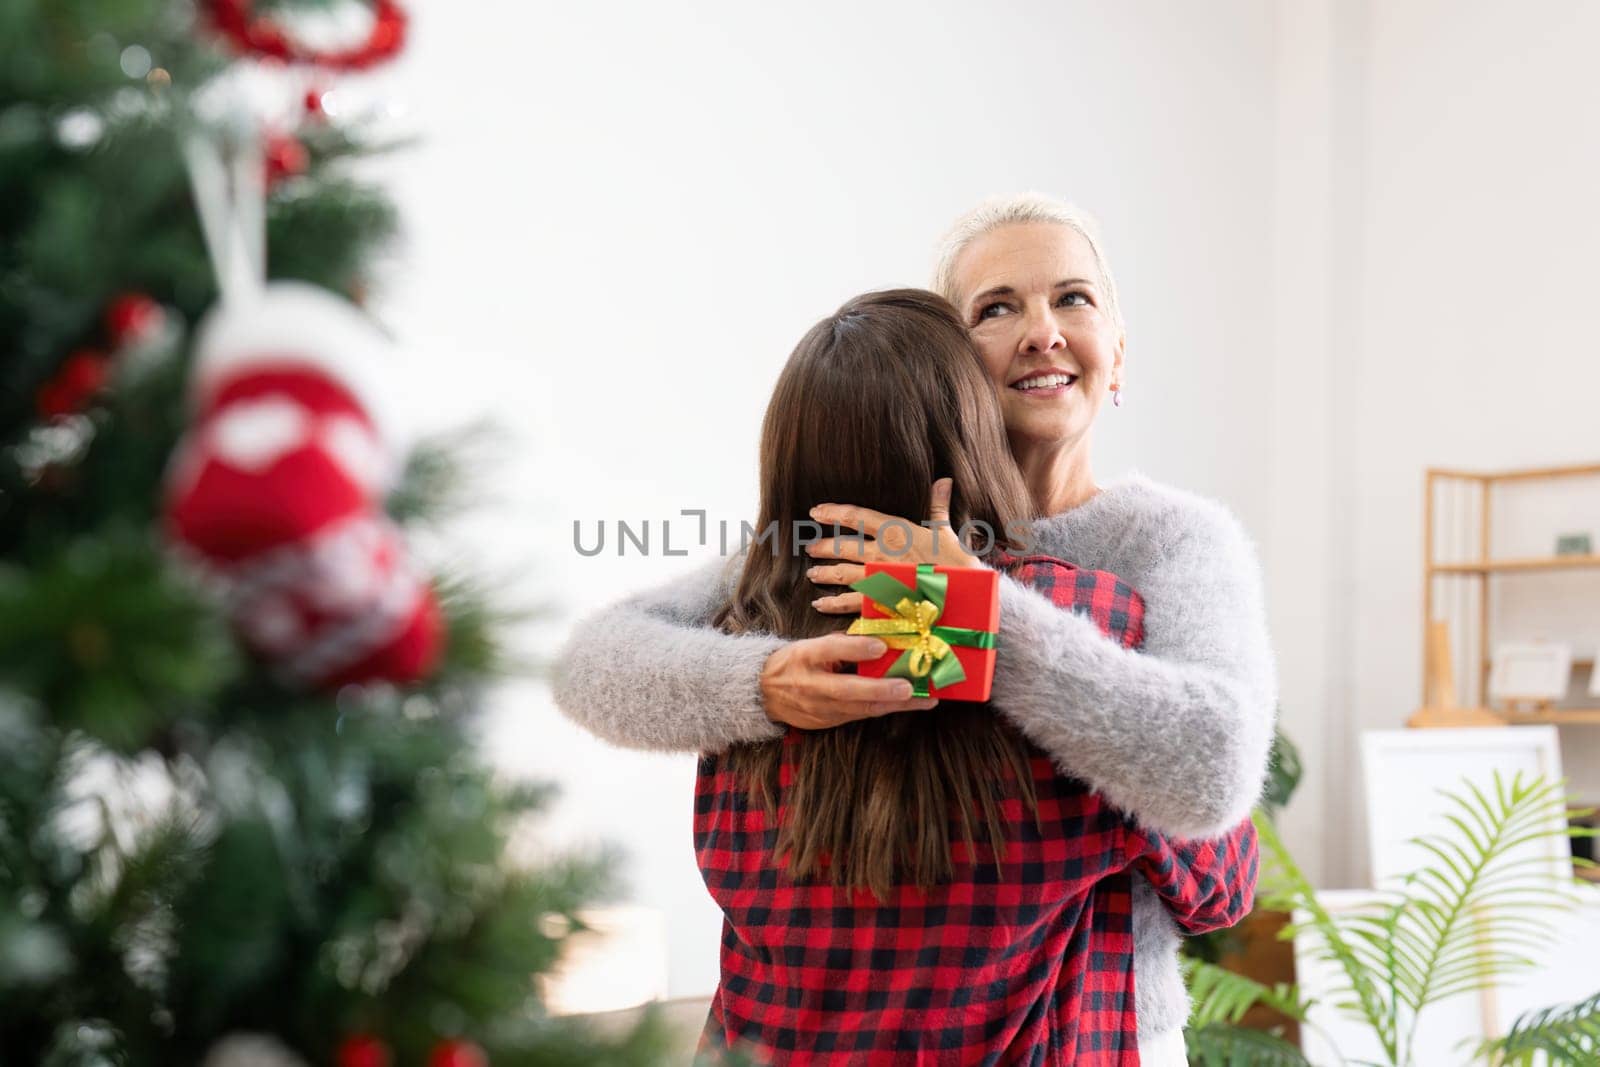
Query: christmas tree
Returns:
{"type": "Point", "coordinates": [242, 820]}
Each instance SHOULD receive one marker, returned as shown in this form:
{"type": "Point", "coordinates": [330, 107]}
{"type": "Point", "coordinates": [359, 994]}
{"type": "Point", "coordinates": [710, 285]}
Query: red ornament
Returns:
{"type": "Point", "coordinates": [81, 377]}
{"type": "Point", "coordinates": [286, 158]}
{"type": "Point", "coordinates": [362, 1050]}
{"type": "Point", "coordinates": [409, 655]}
{"type": "Point", "coordinates": [276, 492]}
{"type": "Point", "coordinates": [313, 103]}
{"type": "Point", "coordinates": [259, 35]}
{"type": "Point", "coordinates": [132, 318]}
{"type": "Point", "coordinates": [278, 455]}
{"type": "Point", "coordinates": [457, 1054]}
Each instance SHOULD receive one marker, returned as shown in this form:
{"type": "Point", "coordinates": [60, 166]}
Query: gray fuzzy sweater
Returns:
{"type": "Point", "coordinates": [1176, 734]}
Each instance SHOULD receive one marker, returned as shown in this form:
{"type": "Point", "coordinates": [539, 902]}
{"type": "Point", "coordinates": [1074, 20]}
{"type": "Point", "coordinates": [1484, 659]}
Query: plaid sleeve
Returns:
{"type": "Point", "coordinates": [1205, 884]}
{"type": "Point", "coordinates": [1110, 603]}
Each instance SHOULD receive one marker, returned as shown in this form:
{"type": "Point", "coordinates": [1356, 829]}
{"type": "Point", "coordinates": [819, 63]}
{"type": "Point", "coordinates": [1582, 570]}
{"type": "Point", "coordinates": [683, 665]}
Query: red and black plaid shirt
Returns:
{"type": "Point", "coordinates": [1032, 964]}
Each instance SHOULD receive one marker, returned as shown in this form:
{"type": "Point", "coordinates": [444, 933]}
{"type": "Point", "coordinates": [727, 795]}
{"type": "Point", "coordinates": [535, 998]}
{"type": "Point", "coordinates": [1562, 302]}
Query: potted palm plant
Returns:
{"type": "Point", "coordinates": [1471, 917]}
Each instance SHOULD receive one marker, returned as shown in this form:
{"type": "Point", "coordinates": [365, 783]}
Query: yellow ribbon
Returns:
{"type": "Point", "coordinates": [911, 629]}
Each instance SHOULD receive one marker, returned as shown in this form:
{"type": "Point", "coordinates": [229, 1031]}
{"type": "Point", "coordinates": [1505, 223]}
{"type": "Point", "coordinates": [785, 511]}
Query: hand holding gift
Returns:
{"type": "Point", "coordinates": [940, 624]}
{"type": "Point", "coordinates": [893, 540]}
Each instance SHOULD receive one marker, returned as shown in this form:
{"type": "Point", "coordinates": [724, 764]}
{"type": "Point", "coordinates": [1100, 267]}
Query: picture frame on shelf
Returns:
{"type": "Point", "coordinates": [1404, 772]}
{"type": "Point", "coordinates": [1574, 544]}
{"type": "Point", "coordinates": [1531, 671]}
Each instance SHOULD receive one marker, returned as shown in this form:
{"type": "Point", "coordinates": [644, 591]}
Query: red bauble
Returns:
{"type": "Point", "coordinates": [457, 1054]}
{"type": "Point", "coordinates": [409, 655]}
{"type": "Point", "coordinates": [278, 455]}
{"type": "Point", "coordinates": [276, 491]}
{"type": "Point", "coordinates": [313, 104]}
{"type": "Point", "coordinates": [362, 1050]}
{"type": "Point", "coordinates": [81, 377]}
{"type": "Point", "coordinates": [286, 158]}
{"type": "Point", "coordinates": [132, 318]}
{"type": "Point", "coordinates": [341, 608]}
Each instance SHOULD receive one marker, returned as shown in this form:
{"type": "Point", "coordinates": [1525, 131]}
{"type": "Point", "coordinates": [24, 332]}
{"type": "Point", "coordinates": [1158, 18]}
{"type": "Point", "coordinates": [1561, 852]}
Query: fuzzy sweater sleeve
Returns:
{"type": "Point", "coordinates": [650, 671]}
{"type": "Point", "coordinates": [1177, 734]}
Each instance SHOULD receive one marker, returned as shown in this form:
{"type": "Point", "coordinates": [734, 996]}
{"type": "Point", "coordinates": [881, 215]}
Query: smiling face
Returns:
{"type": "Point", "coordinates": [1034, 300]}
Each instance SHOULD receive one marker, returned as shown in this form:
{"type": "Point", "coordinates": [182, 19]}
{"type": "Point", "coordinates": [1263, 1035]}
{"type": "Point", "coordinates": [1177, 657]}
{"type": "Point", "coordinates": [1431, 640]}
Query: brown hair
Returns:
{"type": "Point", "coordinates": [877, 401]}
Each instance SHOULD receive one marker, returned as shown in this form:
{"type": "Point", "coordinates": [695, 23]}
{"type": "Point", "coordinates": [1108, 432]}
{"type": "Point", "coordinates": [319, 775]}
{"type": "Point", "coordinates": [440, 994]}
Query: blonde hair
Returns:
{"type": "Point", "coordinates": [1016, 209]}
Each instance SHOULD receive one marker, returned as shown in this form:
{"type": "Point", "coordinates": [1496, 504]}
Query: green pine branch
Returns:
{"type": "Point", "coordinates": [323, 861]}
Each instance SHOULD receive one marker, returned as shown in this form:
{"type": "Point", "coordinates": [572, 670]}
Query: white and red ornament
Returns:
{"type": "Point", "coordinates": [259, 34]}
{"type": "Point", "coordinates": [276, 491]}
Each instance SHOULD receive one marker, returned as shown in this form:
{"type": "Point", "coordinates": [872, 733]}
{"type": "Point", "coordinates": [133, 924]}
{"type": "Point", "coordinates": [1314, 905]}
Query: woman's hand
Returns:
{"type": "Point", "coordinates": [888, 539]}
{"type": "Point", "coordinates": [801, 686]}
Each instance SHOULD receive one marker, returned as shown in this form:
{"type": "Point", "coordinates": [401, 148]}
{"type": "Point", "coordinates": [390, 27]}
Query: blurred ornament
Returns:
{"type": "Point", "coordinates": [251, 1050]}
{"type": "Point", "coordinates": [276, 492]}
{"type": "Point", "coordinates": [133, 319]}
{"type": "Point", "coordinates": [362, 1050]}
{"type": "Point", "coordinates": [260, 35]}
{"type": "Point", "coordinates": [284, 454]}
{"type": "Point", "coordinates": [285, 157]}
{"type": "Point", "coordinates": [50, 451]}
{"type": "Point", "coordinates": [80, 128]}
{"type": "Point", "coordinates": [343, 362]}
{"type": "Point", "coordinates": [74, 385]}
{"type": "Point", "coordinates": [314, 103]}
{"type": "Point", "coordinates": [32, 953]}
{"type": "Point", "coordinates": [457, 1054]}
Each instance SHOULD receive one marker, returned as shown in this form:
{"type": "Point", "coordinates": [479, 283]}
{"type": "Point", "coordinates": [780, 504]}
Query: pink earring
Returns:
{"type": "Point", "coordinates": [1116, 396]}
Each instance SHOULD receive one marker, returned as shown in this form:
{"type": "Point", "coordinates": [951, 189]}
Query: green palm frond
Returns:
{"type": "Point", "coordinates": [1220, 995]}
{"type": "Point", "coordinates": [1286, 888]}
{"type": "Point", "coordinates": [1221, 1045]}
{"type": "Point", "coordinates": [1469, 918]}
{"type": "Point", "coordinates": [1475, 915]}
{"type": "Point", "coordinates": [1566, 1034]}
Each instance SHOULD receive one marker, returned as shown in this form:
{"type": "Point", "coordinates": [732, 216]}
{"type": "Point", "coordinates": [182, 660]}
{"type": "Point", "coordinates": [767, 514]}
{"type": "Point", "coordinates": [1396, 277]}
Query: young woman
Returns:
{"type": "Point", "coordinates": [1175, 734]}
{"type": "Point", "coordinates": [920, 889]}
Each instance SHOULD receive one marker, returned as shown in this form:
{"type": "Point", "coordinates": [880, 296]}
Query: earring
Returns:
{"type": "Point", "coordinates": [1116, 395]}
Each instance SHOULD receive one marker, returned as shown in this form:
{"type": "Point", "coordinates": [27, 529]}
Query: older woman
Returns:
{"type": "Point", "coordinates": [1177, 735]}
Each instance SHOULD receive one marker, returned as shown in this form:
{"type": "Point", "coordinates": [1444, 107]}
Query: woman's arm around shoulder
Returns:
{"type": "Point", "coordinates": [1177, 734]}
{"type": "Point", "coordinates": [651, 672]}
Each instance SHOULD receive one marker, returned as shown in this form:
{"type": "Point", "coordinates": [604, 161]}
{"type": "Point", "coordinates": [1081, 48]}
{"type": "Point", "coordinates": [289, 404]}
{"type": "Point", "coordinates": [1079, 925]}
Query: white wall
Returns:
{"type": "Point", "coordinates": [1475, 322]}
{"type": "Point", "coordinates": [1434, 212]}
{"type": "Point", "coordinates": [1298, 542]}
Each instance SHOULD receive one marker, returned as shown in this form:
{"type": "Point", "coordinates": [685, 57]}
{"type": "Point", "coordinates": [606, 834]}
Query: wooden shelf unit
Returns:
{"type": "Point", "coordinates": [1440, 708]}
{"type": "Point", "coordinates": [1555, 716]}
{"type": "Point", "coordinates": [1505, 566]}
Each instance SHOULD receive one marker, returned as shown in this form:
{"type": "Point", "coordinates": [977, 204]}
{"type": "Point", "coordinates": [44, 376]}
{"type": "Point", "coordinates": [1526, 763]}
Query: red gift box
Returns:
{"type": "Point", "coordinates": [946, 622]}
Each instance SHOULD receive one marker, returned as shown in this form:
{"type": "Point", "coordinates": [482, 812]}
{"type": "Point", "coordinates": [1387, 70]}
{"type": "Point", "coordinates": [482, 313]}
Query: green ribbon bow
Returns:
{"type": "Point", "coordinates": [927, 656]}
